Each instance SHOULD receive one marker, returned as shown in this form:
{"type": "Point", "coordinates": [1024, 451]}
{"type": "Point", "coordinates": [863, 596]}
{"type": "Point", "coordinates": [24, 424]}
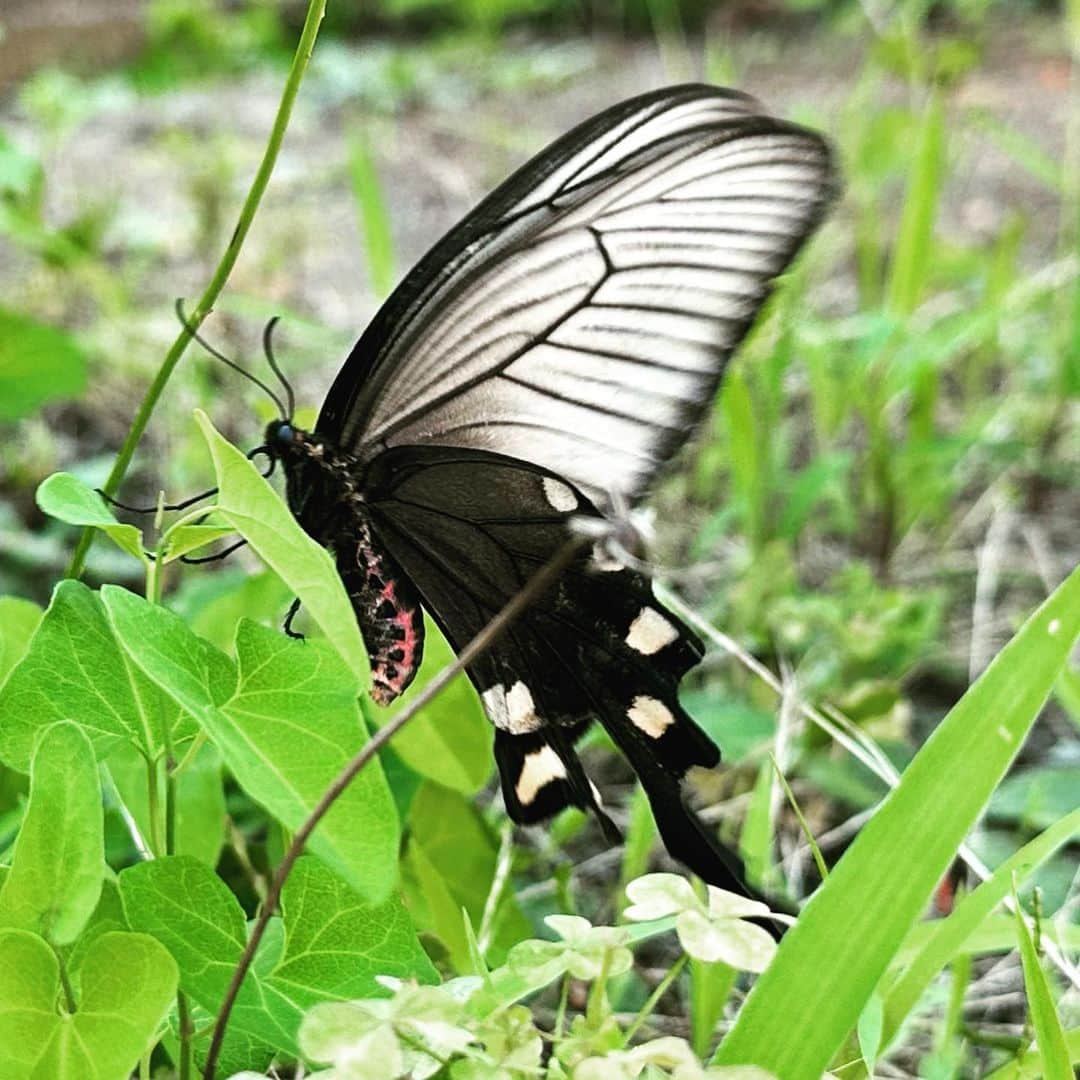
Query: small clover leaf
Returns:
{"type": "Point", "coordinates": [580, 953]}
{"type": "Point", "coordinates": [585, 946]}
{"type": "Point", "coordinates": [511, 1046]}
{"type": "Point", "coordinates": [707, 931]}
{"type": "Point", "coordinates": [413, 1034]}
{"type": "Point", "coordinates": [655, 896]}
{"type": "Point", "coordinates": [673, 1057]}
{"type": "Point", "coordinates": [588, 1039]}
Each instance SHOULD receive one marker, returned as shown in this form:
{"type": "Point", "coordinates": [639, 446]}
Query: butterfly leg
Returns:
{"type": "Point", "coordinates": [294, 608]}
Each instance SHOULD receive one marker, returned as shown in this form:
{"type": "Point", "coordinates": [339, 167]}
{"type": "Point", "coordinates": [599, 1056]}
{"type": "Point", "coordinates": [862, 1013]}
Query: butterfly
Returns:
{"type": "Point", "coordinates": [536, 368]}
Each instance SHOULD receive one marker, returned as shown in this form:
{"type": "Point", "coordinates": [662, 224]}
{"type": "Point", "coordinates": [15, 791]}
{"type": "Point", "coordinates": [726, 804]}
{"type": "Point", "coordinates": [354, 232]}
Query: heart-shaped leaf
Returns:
{"type": "Point", "coordinates": [127, 983]}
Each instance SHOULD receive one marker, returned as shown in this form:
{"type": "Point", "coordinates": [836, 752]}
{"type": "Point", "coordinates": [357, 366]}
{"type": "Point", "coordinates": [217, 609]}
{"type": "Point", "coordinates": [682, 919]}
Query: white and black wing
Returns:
{"type": "Point", "coordinates": [580, 317]}
{"type": "Point", "coordinates": [469, 529]}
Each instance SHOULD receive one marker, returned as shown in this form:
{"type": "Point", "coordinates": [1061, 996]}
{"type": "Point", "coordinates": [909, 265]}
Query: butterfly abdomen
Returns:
{"type": "Point", "coordinates": [326, 495]}
{"type": "Point", "coordinates": [387, 609]}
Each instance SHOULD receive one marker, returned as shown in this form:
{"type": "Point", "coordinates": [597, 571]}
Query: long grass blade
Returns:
{"type": "Point", "coordinates": [849, 932]}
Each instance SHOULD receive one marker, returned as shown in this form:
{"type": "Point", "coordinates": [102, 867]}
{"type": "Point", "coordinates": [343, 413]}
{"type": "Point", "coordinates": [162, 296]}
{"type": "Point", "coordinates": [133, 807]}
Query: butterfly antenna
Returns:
{"type": "Point", "coordinates": [225, 360]}
{"type": "Point", "coordinates": [268, 334]}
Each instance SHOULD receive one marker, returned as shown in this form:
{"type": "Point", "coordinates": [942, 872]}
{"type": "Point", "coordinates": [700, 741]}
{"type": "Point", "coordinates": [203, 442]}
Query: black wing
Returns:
{"type": "Point", "coordinates": [580, 317]}
{"type": "Point", "coordinates": [469, 529]}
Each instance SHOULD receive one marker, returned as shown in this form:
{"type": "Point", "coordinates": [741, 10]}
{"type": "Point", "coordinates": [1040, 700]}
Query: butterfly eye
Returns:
{"type": "Point", "coordinates": [284, 434]}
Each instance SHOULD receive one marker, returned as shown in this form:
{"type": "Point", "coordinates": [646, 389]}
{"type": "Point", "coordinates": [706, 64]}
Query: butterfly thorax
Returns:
{"type": "Point", "coordinates": [324, 487]}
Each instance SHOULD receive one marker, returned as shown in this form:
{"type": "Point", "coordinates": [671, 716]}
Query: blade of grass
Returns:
{"type": "Point", "coordinates": [950, 934]}
{"type": "Point", "coordinates": [374, 220]}
{"type": "Point", "coordinates": [842, 944]}
{"type": "Point", "coordinates": [745, 453]}
{"type": "Point", "coordinates": [819, 859]}
{"type": "Point", "coordinates": [755, 841]}
{"type": "Point", "coordinates": [914, 243]}
{"type": "Point", "coordinates": [1030, 1065]}
{"type": "Point", "coordinates": [710, 987]}
{"type": "Point", "coordinates": [640, 835]}
{"type": "Point", "coordinates": [1044, 1018]}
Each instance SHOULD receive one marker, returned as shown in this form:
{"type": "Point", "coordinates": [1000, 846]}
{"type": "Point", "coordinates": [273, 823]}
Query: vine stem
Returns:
{"type": "Point", "coordinates": [305, 46]}
{"type": "Point", "coordinates": [529, 592]}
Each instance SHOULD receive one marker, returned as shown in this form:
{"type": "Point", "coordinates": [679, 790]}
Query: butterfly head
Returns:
{"type": "Point", "coordinates": [282, 437]}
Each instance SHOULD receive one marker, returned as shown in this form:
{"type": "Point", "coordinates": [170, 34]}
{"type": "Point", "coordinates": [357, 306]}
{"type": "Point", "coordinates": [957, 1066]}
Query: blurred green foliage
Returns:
{"type": "Point", "coordinates": [914, 381]}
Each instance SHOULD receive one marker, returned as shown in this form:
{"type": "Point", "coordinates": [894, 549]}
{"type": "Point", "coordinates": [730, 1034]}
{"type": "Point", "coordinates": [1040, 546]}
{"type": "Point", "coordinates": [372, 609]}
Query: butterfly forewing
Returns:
{"type": "Point", "coordinates": [581, 317]}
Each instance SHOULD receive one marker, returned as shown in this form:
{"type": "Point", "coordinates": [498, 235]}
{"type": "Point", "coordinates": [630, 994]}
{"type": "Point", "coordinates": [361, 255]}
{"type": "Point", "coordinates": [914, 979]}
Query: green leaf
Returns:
{"type": "Point", "coordinates": [181, 664]}
{"type": "Point", "coordinates": [18, 620]}
{"type": "Point", "coordinates": [755, 841]}
{"type": "Point", "coordinates": [948, 936]}
{"type": "Point", "coordinates": [74, 670]}
{"type": "Point", "coordinates": [335, 943]}
{"type": "Point", "coordinates": [914, 239]}
{"type": "Point", "coordinates": [108, 916]}
{"type": "Point", "coordinates": [746, 454]}
{"type": "Point", "coordinates": [253, 508]}
{"type": "Point", "coordinates": [1036, 798]}
{"type": "Point", "coordinates": [869, 1031]}
{"type": "Point", "coordinates": [67, 498]}
{"type": "Point", "coordinates": [1067, 691]}
{"type": "Point", "coordinates": [183, 904]}
{"type": "Point", "coordinates": [288, 732]}
{"type": "Point", "coordinates": [200, 807]}
{"type": "Point", "coordinates": [1044, 1017]}
{"type": "Point", "coordinates": [371, 207]}
{"type": "Point", "coordinates": [55, 878]}
{"type": "Point", "coordinates": [37, 364]}
{"type": "Point", "coordinates": [128, 982]}
{"type": "Point", "coordinates": [853, 926]}
{"type": "Point", "coordinates": [710, 988]}
{"type": "Point", "coordinates": [449, 740]}
{"type": "Point", "coordinates": [187, 538]}
{"type": "Point", "coordinates": [457, 845]}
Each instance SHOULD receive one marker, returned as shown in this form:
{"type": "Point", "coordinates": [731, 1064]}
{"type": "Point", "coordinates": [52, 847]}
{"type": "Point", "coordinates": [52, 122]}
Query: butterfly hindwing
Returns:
{"type": "Point", "coordinates": [470, 529]}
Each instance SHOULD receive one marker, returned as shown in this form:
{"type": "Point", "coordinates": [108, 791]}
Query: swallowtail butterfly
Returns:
{"type": "Point", "coordinates": [544, 359]}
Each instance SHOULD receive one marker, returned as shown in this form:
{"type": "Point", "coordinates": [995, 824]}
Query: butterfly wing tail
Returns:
{"type": "Point", "coordinates": [686, 837]}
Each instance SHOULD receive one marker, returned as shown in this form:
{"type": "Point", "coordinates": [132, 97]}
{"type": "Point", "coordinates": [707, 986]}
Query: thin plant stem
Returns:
{"type": "Point", "coordinates": [153, 808]}
{"type": "Point", "coordinates": [503, 865]}
{"type": "Point", "coordinates": [661, 989]}
{"type": "Point", "coordinates": [564, 1000]}
{"type": "Point", "coordinates": [191, 753]}
{"type": "Point", "coordinates": [316, 10]}
{"type": "Point", "coordinates": [187, 1031]}
{"type": "Point", "coordinates": [823, 868]}
{"type": "Point", "coordinates": [529, 592]}
{"type": "Point", "coordinates": [597, 992]}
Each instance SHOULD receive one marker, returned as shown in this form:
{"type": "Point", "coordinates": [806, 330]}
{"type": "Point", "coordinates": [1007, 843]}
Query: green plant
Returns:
{"type": "Point", "coordinates": [177, 743]}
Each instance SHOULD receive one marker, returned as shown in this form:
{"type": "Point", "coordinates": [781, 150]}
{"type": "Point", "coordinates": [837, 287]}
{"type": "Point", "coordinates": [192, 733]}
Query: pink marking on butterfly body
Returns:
{"type": "Point", "coordinates": [395, 636]}
{"type": "Point", "coordinates": [390, 676]}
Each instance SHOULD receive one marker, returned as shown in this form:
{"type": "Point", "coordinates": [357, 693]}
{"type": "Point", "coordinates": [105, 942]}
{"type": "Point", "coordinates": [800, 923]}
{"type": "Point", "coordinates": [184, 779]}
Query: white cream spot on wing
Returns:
{"type": "Point", "coordinates": [539, 768]}
{"type": "Point", "coordinates": [561, 496]}
{"type": "Point", "coordinates": [494, 699]}
{"type": "Point", "coordinates": [596, 794]}
{"type": "Point", "coordinates": [650, 716]}
{"type": "Point", "coordinates": [520, 710]}
{"type": "Point", "coordinates": [650, 632]}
